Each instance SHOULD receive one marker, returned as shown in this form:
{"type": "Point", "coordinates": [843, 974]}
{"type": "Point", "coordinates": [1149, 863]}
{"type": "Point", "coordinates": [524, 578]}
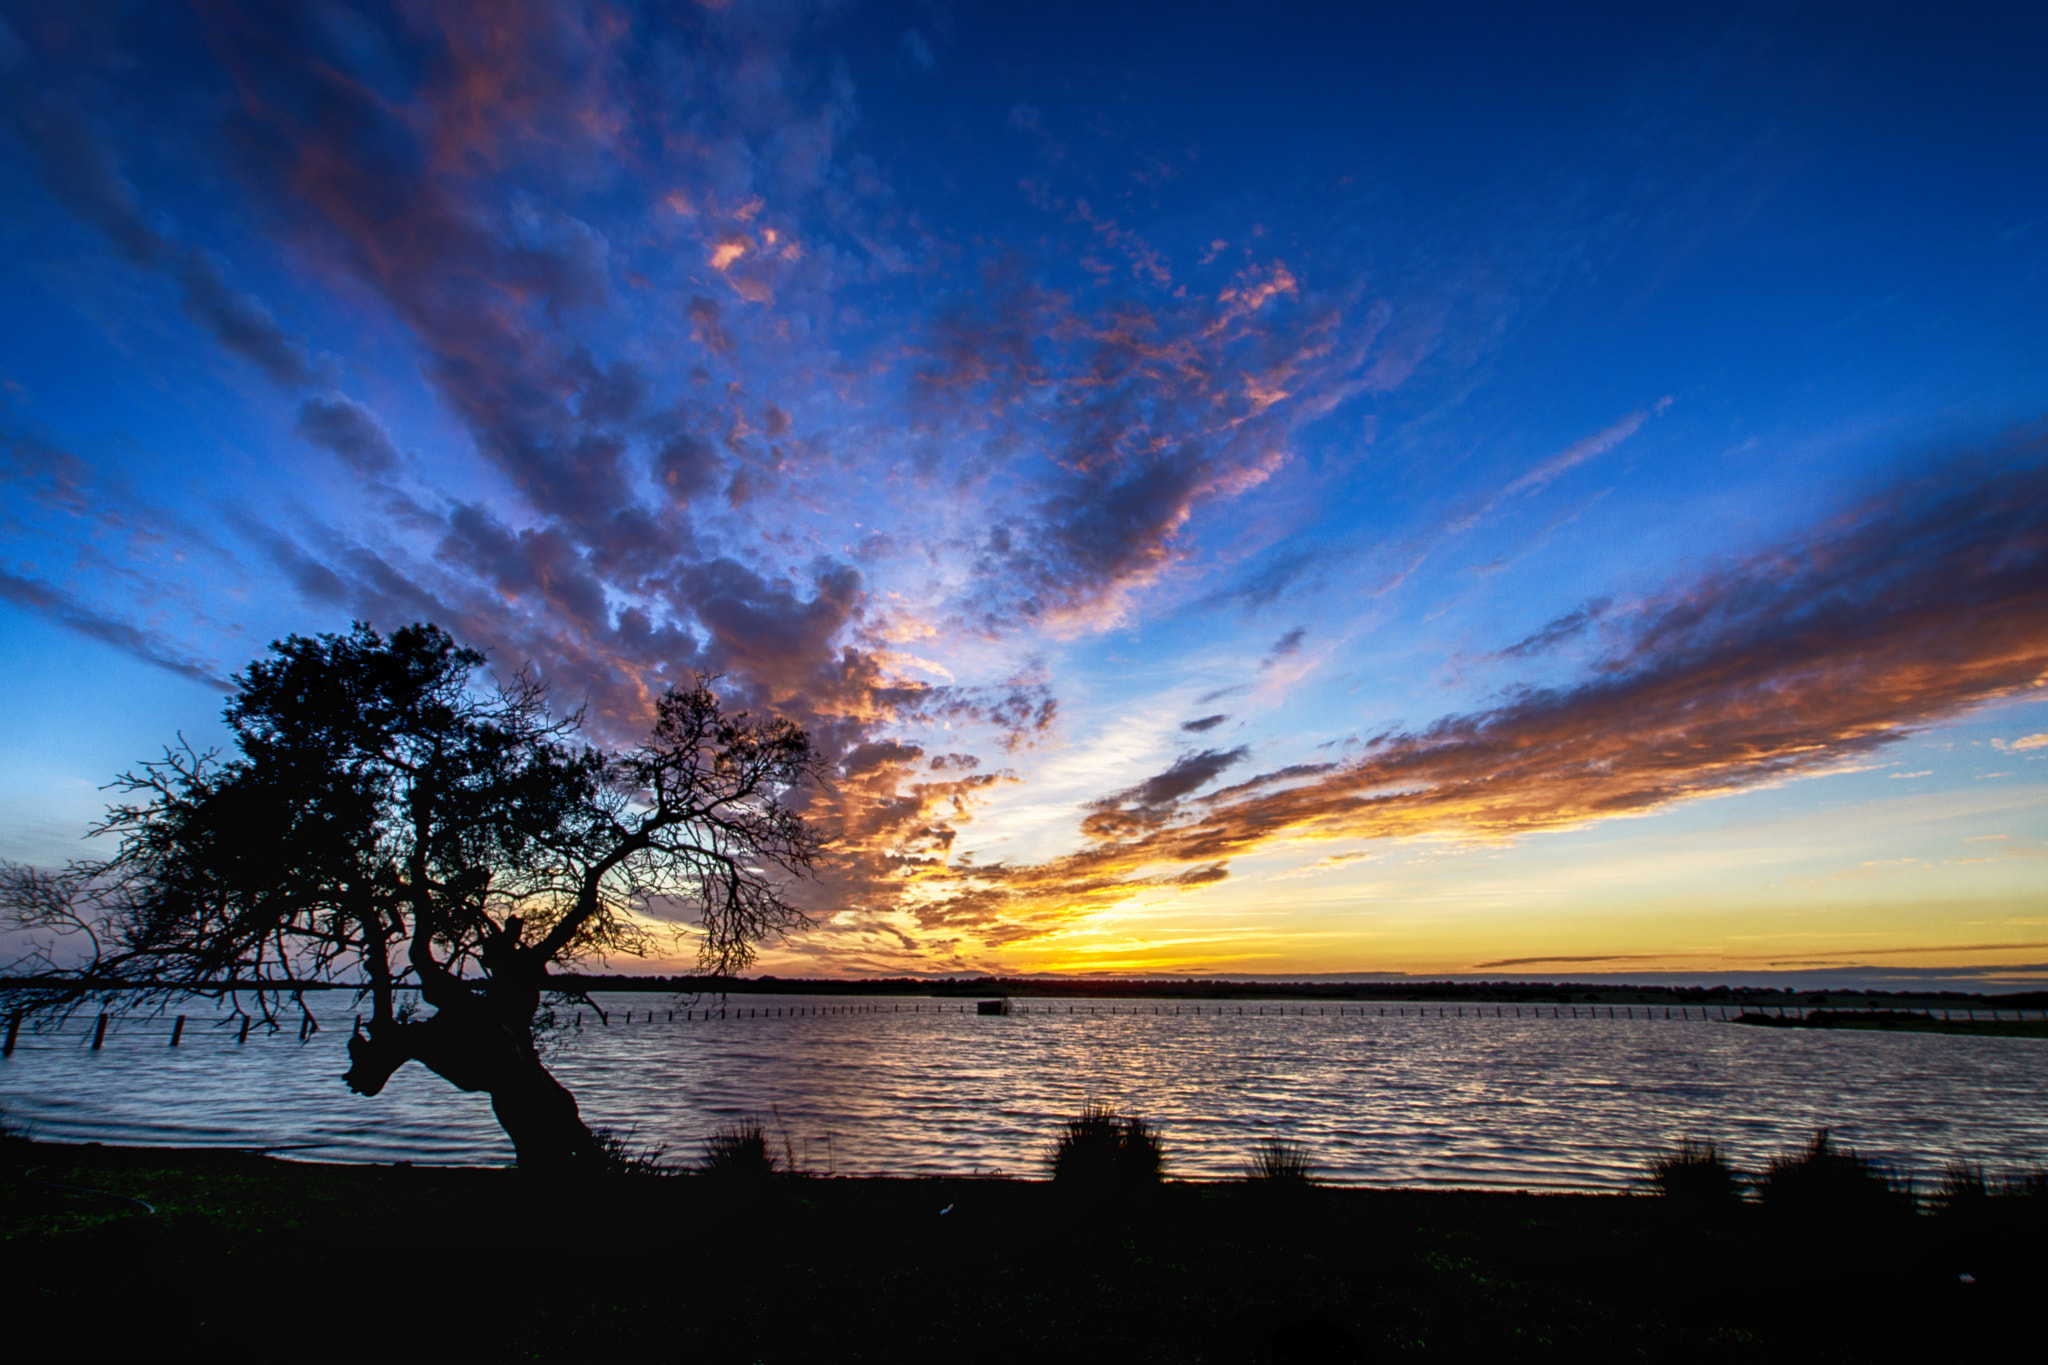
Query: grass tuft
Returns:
{"type": "Point", "coordinates": [1277, 1159]}
{"type": "Point", "coordinates": [1100, 1149]}
{"type": "Point", "coordinates": [1824, 1181]}
{"type": "Point", "coordinates": [738, 1153]}
{"type": "Point", "coordinates": [1695, 1173]}
{"type": "Point", "coordinates": [1962, 1188]}
{"type": "Point", "coordinates": [619, 1157]}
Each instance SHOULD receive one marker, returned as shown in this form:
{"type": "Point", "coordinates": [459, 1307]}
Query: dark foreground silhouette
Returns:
{"type": "Point", "coordinates": [244, 1258]}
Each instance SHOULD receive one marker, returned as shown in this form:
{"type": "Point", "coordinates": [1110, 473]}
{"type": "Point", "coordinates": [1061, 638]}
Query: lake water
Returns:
{"type": "Point", "coordinates": [901, 1087]}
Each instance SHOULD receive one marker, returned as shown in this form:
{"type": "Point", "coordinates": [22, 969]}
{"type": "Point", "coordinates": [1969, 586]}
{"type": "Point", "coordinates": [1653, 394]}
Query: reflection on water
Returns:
{"type": "Point", "coordinates": [894, 1087]}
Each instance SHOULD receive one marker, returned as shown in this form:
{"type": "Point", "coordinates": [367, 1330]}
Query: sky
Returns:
{"type": "Point", "coordinates": [1519, 491]}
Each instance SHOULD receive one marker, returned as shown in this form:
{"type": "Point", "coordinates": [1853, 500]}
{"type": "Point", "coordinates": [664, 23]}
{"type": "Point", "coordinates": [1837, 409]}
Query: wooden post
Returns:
{"type": "Point", "coordinates": [243, 1037]}
{"type": "Point", "coordinates": [177, 1030]}
{"type": "Point", "coordinates": [99, 1033]}
{"type": "Point", "coordinates": [13, 1030]}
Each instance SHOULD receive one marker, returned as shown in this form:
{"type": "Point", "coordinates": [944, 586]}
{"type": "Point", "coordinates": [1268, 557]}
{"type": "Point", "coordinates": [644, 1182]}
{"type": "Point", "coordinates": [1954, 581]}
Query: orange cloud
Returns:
{"type": "Point", "coordinates": [1906, 613]}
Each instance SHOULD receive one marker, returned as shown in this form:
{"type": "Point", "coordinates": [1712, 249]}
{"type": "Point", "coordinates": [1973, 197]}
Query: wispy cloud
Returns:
{"type": "Point", "coordinates": [1922, 603]}
{"type": "Point", "coordinates": [80, 173]}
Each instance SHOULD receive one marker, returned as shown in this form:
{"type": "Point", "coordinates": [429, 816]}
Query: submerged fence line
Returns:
{"type": "Point", "coordinates": [107, 1025]}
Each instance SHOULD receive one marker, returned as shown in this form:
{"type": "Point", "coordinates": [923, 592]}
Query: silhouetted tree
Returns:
{"type": "Point", "coordinates": [390, 824]}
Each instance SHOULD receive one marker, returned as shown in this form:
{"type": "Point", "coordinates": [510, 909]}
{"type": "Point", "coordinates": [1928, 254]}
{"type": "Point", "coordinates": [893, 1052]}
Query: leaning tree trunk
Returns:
{"type": "Point", "coordinates": [539, 1114]}
{"type": "Point", "coordinates": [481, 1039]}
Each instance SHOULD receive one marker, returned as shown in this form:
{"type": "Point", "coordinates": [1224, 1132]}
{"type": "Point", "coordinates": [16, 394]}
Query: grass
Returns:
{"type": "Point", "coordinates": [1962, 1186]}
{"type": "Point", "coordinates": [620, 1157]}
{"type": "Point", "coordinates": [737, 1153]}
{"type": "Point", "coordinates": [915, 1270]}
{"type": "Point", "coordinates": [1696, 1174]}
{"type": "Point", "coordinates": [1102, 1150]}
{"type": "Point", "coordinates": [1826, 1182]}
{"type": "Point", "coordinates": [1277, 1159]}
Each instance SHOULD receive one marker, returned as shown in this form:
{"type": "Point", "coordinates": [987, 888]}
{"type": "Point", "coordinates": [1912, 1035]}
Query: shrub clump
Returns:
{"type": "Point", "coordinates": [737, 1153]}
{"type": "Point", "coordinates": [1100, 1149]}
{"type": "Point", "coordinates": [1278, 1160]}
{"type": "Point", "coordinates": [1830, 1182]}
{"type": "Point", "coordinates": [1696, 1174]}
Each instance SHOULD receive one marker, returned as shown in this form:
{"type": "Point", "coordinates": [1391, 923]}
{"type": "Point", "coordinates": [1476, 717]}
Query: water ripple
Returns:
{"type": "Point", "coordinates": [884, 1088]}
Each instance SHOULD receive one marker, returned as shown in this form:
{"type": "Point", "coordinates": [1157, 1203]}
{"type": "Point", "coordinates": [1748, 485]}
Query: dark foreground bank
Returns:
{"type": "Point", "coordinates": [251, 1258]}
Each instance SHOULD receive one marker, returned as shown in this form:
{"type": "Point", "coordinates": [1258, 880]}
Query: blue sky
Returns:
{"type": "Point", "coordinates": [1328, 489]}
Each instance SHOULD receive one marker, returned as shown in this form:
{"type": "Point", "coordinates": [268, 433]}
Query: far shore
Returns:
{"type": "Point", "coordinates": [1203, 988]}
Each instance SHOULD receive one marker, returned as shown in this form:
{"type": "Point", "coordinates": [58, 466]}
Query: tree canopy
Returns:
{"type": "Point", "coordinates": [389, 823]}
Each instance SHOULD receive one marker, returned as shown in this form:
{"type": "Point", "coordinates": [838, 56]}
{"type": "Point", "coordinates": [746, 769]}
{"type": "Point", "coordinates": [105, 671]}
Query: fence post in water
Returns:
{"type": "Point", "coordinates": [177, 1030]}
{"type": "Point", "coordinates": [13, 1029]}
{"type": "Point", "coordinates": [99, 1033]}
{"type": "Point", "coordinates": [243, 1036]}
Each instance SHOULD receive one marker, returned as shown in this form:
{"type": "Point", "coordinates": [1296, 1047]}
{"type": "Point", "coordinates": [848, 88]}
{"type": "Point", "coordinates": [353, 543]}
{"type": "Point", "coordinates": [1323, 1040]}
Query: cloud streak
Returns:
{"type": "Point", "coordinates": [1915, 607]}
{"type": "Point", "coordinates": [79, 172]}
